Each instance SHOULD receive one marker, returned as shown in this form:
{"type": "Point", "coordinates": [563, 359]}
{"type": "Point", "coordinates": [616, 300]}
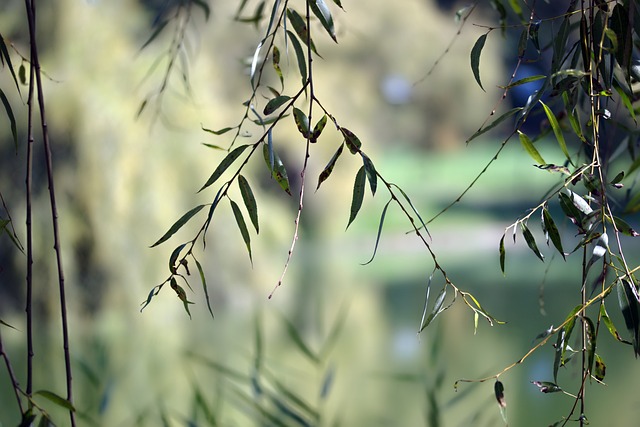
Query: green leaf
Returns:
{"type": "Point", "coordinates": [275, 60]}
{"type": "Point", "coordinates": [372, 175]}
{"type": "Point", "coordinates": [204, 286]}
{"type": "Point", "coordinates": [553, 121]}
{"type": "Point", "coordinates": [249, 201]}
{"type": "Point", "coordinates": [524, 81]}
{"type": "Point", "coordinates": [609, 324]}
{"type": "Point", "coordinates": [275, 103]}
{"type": "Point", "coordinates": [224, 165]}
{"type": "Point", "coordinates": [629, 307]}
{"type": "Point", "coordinates": [174, 258]}
{"type": "Point", "coordinates": [45, 421]}
{"type": "Point", "coordinates": [415, 211]}
{"type": "Point", "coordinates": [624, 227]}
{"type": "Point", "coordinates": [531, 241]}
{"type": "Point", "coordinates": [493, 124]}
{"type": "Point", "coordinates": [218, 132]}
{"type": "Point", "coordinates": [2, 322]}
{"type": "Point", "coordinates": [547, 386]}
{"type": "Point", "coordinates": [502, 254]}
{"type": "Point", "coordinates": [51, 396]}
{"type": "Point", "coordinates": [155, 34]}
{"type": "Point", "coordinates": [302, 62]}
{"type": "Point", "coordinates": [352, 141]}
{"type": "Point", "coordinates": [11, 117]}
{"type": "Point", "coordinates": [4, 54]}
{"type": "Point", "coordinates": [590, 339]}
{"type": "Point", "coordinates": [326, 172]}
{"type": "Point", "coordinates": [475, 58]}
{"type": "Point", "coordinates": [297, 339]}
{"type": "Point", "coordinates": [182, 295]}
{"type": "Point", "coordinates": [300, 27]}
{"type": "Point", "coordinates": [550, 228]}
{"type": "Point", "coordinates": [237, 213]}
{"type": "Point", "coordinates": [317, 129]}
{"type": "Point", "coordinates": [302, 122]}
{"type": "Point", "coordinates": [375, 249]}
{"type": "Point", "coordinates": [438, 307]}
{"type": "Point", "coordinates": [527, 144]}
{"type": "Point", "coordinates": [323, 13]}
{"type": "Point", "coordinates": [278, 172]}
{"type": "Point", "coordinates": [600, 369]}
{"type": "Point", "coordinates": [358, 194]}
{"type": "Point", "coordinates": [178, 224]}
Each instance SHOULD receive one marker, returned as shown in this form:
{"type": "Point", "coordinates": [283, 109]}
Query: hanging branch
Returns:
{"type": "Point", "coordinates": [35, 70]}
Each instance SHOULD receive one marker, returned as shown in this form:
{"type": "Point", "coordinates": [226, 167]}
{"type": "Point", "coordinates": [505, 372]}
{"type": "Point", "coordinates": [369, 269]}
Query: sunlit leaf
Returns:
{"type": "Point", "coordinates": [178, 224]}
{"type": "Point", "coordinates": [275, 103]}
{"type": "Point", "coordinates": [555, 126]}
{"type": "Point", "coordinates": [590, 342]}
{"type": "Point", "coordinates": [502, 254]}
{"type": "Point", "coordinates": [531, 241]}
{"type": "Point", "coordinates": [249, 201]}
{"type": "Point", "coordinates": [475, 58]}
{"type": "Point", "coordinates": [326, 172]}
{"type": "Point", "coordinates": [237, 213]}
{"type": "Point", "coordinates": [527, 144]}
{"type": "Point", "coordinates": [375, 249]}
{"type": "Point", "coordinates": [323, 13]}
{"type": "Point", "coordinates": [224, 165]}
{"type": "Point", "coordinates": [600, 369]}
{"type": "Point", "coordinates": [358, 195]}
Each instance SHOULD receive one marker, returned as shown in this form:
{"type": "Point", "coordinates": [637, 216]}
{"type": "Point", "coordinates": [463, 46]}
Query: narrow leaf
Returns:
{"type": "Point", "coordinates": [4, 53]}
{"type": "Point", "coordinates": [224, 165]}
{"type": "Point", "coordinates": [317, 129]}
{"type": "Point", "coordinates": [218, 132]}
{"type": "Point", "coordinates": [600, 369]}
{"type": "Point", "coordinates": [531, 242]}
{"type": "Point", "coordinates": [275, 103]}
{"type": "Point", "coordinates": [495, 123]}
{"type": "Point", "coordinates": [502, 254]}
{"type": "Point", "coordinates": [624, 227]}
{"type": "Point", "coordinates": [278, 171]}
{"type": "Point", "coordinates": [178, 224]}
{"type": "Point", "coordinates": [11, 117]}
{"type": "Point", "coordinates": [237, 213]}
{"type": "Point", "coordinates": [174, 258]}
{"type": "Point", "coordinates": [53, 397]}
{"type": "Point", "coordinates": [438, 307]}
{"type": "Point", "coordinates": [358, 195]}
{"type": "Point", "coordinates": [249, 201]}
{"type": "Point", "coordinates": [527, 144]}
{"type": "Point", "coordinates": [302, 122]}
{"type": "Point", "coordinates": [204, 286]}
{"type": "Point", "coordinates": [372, 175]}
{"type": "Point", "coordinates": [323, 13]}
{"type": "Point", "coordinates": [352, 141]}
{"type": "Point", "coordinates": [630, 311]}
{"type": "Point", "coordinates": [413, 208]}
{"type": "Point", "coordinates": [609, 324]}
{"type": "Point", "coordinates": [326, 172]}
{"type": "Point", "coordinates": [302, 62]}
{"type": "Point", "coordinates": [590, 339]}
{"type": "Point", "coordinates": [275, 60]}
{"type": "Point", "coordinates": [475, 58]}
{"type": "Point", "coordinates": [375, 249]}
{"type": "Point", "coordinates": [547, 386]}
{"type": "Point", "coordinates": [553, 121]}
{"type": "Point", "coordinates": [300, 27]}
{"type": "Point", "coordinates": [550, 227]}
{"type": "Point", "coordinates": [297, 339]}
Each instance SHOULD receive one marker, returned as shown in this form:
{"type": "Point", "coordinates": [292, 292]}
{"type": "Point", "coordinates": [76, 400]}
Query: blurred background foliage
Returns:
{"type": "Point", "coordinates": [337, 344]}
